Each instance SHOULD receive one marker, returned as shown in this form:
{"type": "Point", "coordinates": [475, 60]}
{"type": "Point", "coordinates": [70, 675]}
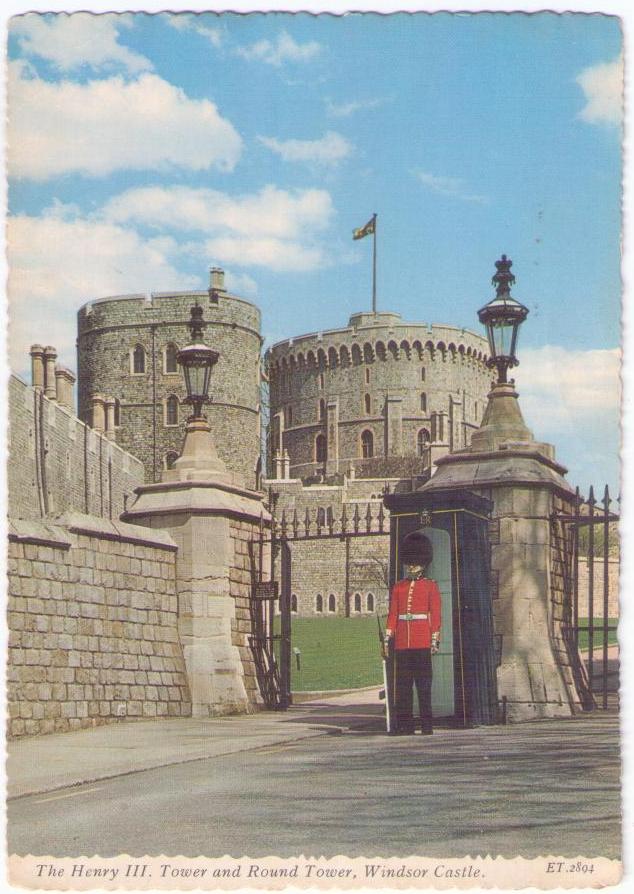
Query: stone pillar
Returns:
{"type": "Point", "coordinates": [37, 367]}
{"type": "Point", "coordinates": [277, 465]}
{"type": "Point", "coordinates": [98, 413]}
{"type": "Point", "coordinates": [212, 518]}
{"type": "Point", "coordinates": [110, 429]}
{"type": "Point", "coordinates": [394, 425]}
{"type": "Point", "coordinates": [332, 436]}
{"type": "Point", "coordinates": [65, 380]}
{"type": "Point", "coordinates": [50, 386]}
{"type": "Point", "coordinates": [286, 465]}
{"type": "Point", "coordinates": [505, 464]}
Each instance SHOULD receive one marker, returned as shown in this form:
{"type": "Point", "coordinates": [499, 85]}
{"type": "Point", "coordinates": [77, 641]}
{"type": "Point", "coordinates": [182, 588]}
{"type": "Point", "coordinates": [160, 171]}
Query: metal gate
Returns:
{"type": "Point", "coordinates": [272, 651]}
{"type": "Point", "coordinates": [586, 541]}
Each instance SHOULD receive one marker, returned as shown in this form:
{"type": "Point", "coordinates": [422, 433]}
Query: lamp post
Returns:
{"type": "Point", "coordinates": [502, 317]}
{"type": "Point", "coordinates": [199, 458]}
{"type": "Point", "coordinates": [197, 361]}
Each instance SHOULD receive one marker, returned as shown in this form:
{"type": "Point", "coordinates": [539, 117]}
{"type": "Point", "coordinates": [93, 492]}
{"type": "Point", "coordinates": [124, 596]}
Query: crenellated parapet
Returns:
{"type": "Point", "coordinates": [378, 387]}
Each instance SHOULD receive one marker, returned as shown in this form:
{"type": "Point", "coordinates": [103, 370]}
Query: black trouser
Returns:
{"type": "Point", "coordinates": [413, 668]}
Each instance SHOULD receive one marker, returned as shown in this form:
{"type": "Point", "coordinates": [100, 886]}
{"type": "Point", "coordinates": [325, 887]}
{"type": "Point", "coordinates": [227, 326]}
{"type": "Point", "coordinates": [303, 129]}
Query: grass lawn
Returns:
{"type": "Point", "coordinates": [336, 653]}
{"type": "Point", "coordinates": [598, 634]}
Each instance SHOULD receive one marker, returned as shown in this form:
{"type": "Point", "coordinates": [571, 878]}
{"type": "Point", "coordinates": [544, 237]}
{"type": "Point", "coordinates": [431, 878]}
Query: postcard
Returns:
{"type": "Point", "coordinates": [313, 449]}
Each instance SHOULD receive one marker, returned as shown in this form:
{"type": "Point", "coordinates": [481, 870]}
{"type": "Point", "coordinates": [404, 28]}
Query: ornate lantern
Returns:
{"type": "Point", "coordinates": [503, 317]}
{"type": "Point", "coordinates": [197, 361]}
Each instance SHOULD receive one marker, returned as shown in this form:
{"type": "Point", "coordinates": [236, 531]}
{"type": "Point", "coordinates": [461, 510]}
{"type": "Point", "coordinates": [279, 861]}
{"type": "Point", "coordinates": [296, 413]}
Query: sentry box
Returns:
{"type": "Point", "coordinates": [457, 523]}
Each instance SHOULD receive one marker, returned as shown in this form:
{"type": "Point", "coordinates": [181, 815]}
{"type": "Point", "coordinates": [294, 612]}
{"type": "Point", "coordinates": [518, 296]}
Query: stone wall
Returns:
{"type": "Point", "coordinates": [389, 377]}
{"type": "Point", "coordinates": [58, 464]}
{"type": "Point", "coordinates": [92, 619]}
{"type": "Point", "coordinates": [613, 587]}
{"type": "Point", "coordinates": [108, 331]}
{"type": "Point", "coordinates": [244, 535]}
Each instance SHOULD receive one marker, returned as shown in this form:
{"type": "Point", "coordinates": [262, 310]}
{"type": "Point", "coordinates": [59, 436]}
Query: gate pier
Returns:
{"type": "Point", "coordinates": [214, 521]}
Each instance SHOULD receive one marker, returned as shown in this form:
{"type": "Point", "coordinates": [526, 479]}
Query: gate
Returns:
{"type": "Point", "coordinates": [586, 541]}
{"type": "Point", "coordinates": [272, 651]}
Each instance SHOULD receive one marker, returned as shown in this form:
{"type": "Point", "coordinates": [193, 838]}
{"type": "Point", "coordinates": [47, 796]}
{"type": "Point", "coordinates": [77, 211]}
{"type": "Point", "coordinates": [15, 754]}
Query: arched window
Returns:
{"type": "Point", "coordinates": [422, 373]}
{"type": "Point", "coordinates": [170, 459]}
{"type": "Point", "coordinates": [294, 603]}
{"type": "Point", "coordinates": [319, 603]}
{"type": "Point", "coordinates": [434, 427]}
{"type": "Point", "coordinates": [321, 380]}
{"type": "Point", "coordinates": [320, 449]}
{"type": "Point", "coordinates": [369, 602]}
{"type": "Point", "coordinates": [423, 402]}
{"type": "Point", "coordinates": [289, 415]}
{"type": "Point", "coordinates": [367, 444]}
{"type": "Point", "coordinates": [332, 603]}
{"type": "Point", "coordinates": [367, 404]}
{"type": "Point", "coordinates": [367, 375]}
{"type": "Point", "coordinates": [171, 364]}
{"type": "Point", "coordinates": [171, 410]}
{"type": "Point", "coordinates": [322, 409]}
{"type": "Point", "coordinates": [422, 442]}
{"type": "Point", "coordinates": [357, 602]}
{"type": "Point", "coordinates": [138, 360]}
{"type": "Point", "coordinates": [475, 410]}
{"type": "Point", "coordinates": [117, 412]}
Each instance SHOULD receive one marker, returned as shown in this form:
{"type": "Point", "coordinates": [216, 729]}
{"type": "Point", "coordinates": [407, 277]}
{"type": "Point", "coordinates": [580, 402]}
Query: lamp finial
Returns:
{"type": "Point", "coordinates": [503, 279]}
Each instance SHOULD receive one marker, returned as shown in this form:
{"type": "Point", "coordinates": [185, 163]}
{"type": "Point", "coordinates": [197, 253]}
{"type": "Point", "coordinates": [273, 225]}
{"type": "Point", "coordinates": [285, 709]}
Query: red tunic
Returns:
{"type": "Point", "coordinates": [418, 597]}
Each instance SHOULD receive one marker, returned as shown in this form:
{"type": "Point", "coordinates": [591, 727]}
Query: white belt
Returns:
{"type": "Point", "coordinates": [410, 617]}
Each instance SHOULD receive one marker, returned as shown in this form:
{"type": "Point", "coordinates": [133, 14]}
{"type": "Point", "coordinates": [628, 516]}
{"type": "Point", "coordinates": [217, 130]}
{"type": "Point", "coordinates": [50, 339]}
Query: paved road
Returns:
{"type": "Point", "coordinates": [541, 788]}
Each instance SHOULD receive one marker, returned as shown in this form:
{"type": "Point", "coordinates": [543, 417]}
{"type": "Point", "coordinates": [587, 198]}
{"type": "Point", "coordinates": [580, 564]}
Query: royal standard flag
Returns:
{"type": "Point", "coordinates": [367, 230]}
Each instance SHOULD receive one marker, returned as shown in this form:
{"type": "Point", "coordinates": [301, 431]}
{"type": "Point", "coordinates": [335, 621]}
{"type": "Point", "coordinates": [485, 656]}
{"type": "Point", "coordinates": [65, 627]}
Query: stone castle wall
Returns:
{"type": "Point", "coordinates": [381, 375]}
{"type": "Point", "coordinates": [57, 464]}
{"type": "Point", "coordinates": [319, 565]}
{"type": "Point", "coordinates": [92, 620]}
{"type": "Point", "coordinates": [108, 332]}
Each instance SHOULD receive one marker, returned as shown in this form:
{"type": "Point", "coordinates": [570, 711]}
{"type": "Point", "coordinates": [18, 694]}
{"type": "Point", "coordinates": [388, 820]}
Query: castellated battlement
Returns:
{"type": "Point", "coordinates": [380, 388]}
{"type": "Point", "coordinates": [127, 347]}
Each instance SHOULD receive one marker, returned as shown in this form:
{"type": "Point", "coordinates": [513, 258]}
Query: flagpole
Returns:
{"type": "Point", "coordinates": [374, 266]}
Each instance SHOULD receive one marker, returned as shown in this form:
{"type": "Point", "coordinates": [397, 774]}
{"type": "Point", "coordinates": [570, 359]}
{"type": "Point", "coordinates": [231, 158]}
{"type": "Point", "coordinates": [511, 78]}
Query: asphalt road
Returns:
{"type": "Point", "coordinates": [539, 788]}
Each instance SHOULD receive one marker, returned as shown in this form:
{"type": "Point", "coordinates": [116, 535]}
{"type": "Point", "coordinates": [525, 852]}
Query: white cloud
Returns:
{"type": "Point", "coordinates": [346, 109]}
{"type": "Point", "coordinates": [70, 41]}
{"type": "Point", "coordinates": [283, 49]}
{"type": "Point", "coordinates": [448, 186]}
{"type": "Point", "coordinates": [59, 261]}
{"type": "Point", "coordinates": [272, 228]}
{"type": "Point", "coordinates": [240, 284]}
{"type": "Point", "coordinates": [102, 126]}
{"type": "Point", "coordinates": [274, 254]}
{"type": "Point", "coordinates": [329, 150]}
{"type": "Point", "coordinates": [270, 211]}
{"type": "Point", "coordinates": [602, 85]}
{"type": "Point", "coordinates": [568, 389]}
{"type": "Point", "coordinates": [187, 22]}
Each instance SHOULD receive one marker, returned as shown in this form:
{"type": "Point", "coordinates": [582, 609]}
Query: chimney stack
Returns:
{"type": "Point", "coordinates": [217, 279]}
{"type": "Point", "coordinates": [50, 386]}
{"type": "Point", "coordinates": [64, 381]}
{"type": "Point", "coordinates": [98, 413]}
{"type": "Point", "coordinates": [37, 367]}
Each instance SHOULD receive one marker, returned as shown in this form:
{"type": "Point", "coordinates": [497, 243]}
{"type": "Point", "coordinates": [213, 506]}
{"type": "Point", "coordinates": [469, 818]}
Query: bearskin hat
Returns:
{"type": "Point", "coordinates": [416, 549]}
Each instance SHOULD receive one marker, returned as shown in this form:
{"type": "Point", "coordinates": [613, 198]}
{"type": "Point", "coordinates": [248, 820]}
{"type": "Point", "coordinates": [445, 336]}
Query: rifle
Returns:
{"type": "Point", "coordinates": [386, 688]}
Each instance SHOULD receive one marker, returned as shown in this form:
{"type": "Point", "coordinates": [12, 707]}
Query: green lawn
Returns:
{"type": "Point", "coordinates": [598, 634]}
{"type": "Point", "coordinates": [336, 653]}
{"type": "Point", "coordinates": [343, 653]}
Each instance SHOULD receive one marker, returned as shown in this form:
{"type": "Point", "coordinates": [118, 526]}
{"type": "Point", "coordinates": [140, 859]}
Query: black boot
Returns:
{"type": "Point", "coordinates": [426, 728]}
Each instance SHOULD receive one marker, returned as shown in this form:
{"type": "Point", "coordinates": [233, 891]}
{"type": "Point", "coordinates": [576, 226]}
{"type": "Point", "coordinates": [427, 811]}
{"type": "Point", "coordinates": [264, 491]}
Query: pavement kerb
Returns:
{"type": "Point", "coordinates": [45, 790]}
{"type": "Point", "coordinates": [19, 785]}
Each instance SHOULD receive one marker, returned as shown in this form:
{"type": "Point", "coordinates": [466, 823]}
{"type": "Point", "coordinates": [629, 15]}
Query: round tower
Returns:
{"type": "Point", "coordinates": [384, 396]}
{"type": "Point", "coordinates": [127, 347]}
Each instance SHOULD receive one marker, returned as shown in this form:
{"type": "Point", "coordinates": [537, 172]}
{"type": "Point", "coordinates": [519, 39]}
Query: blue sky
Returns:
{"type": "Point", "coordinates": [145, 148]}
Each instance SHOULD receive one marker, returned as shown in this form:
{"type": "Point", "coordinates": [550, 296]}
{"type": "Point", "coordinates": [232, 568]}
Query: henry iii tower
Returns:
{"type": "Point", "coordinates": [130, 383]}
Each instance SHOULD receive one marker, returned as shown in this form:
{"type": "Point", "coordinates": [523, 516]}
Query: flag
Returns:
{"type": "Point", "coordinates": [367, 230]}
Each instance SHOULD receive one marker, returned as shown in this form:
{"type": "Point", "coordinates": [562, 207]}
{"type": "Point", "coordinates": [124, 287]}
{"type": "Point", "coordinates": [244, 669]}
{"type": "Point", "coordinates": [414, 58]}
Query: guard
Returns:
{"type": "Point", "coordinates": [413, 625]}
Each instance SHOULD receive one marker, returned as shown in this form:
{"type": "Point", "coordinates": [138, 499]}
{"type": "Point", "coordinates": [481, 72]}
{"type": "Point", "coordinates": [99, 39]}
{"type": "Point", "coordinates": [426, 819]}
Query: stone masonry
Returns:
{"type": "Point", "coordinates": [109, 331]}
{"type": "Point", "coordinates": [92, 619]}
{"type": "Point", "coordinates": [58, 464]}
